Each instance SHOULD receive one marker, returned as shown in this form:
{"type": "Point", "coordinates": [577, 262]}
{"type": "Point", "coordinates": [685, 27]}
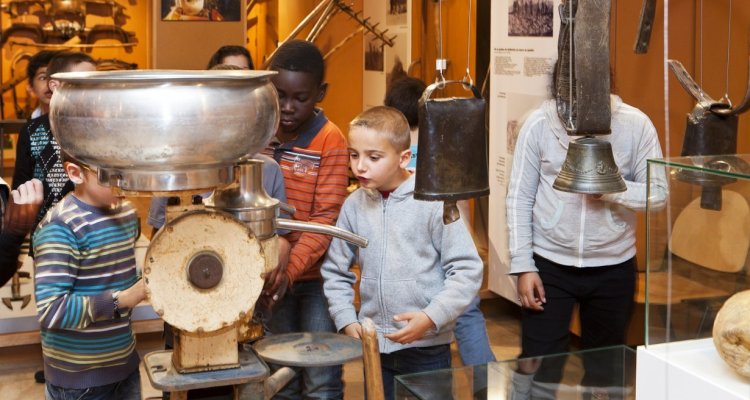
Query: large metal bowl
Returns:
{"type": "Point", "coordinates": [163, 130]}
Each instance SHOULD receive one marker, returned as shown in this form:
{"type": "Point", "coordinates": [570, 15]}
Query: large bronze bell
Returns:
{"type": "Point", "coordinates": [452, 161]}
{"type": "Point", "coordinates": [590, 168]}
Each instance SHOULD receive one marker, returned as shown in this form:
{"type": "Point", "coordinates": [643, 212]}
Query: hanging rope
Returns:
{"type": "Point", "coordinates": [701, 43]}
{"type": "Point", "coordinates": [440, 62]}
{"type": "Point", "coordinates": [726, 99]}
{"type": "Point", "coordinates": [467, 76]}
{"type": "Point", "coordinates": [571, 66]}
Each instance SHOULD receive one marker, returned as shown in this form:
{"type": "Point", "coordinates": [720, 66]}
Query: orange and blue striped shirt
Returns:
{"type": "Point", "coordinates": [315, 166]}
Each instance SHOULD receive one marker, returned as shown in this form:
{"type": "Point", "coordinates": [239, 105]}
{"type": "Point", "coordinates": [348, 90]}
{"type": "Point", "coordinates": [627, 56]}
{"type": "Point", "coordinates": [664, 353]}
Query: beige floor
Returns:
{"type": "Point", "coordinates": [18, 364]}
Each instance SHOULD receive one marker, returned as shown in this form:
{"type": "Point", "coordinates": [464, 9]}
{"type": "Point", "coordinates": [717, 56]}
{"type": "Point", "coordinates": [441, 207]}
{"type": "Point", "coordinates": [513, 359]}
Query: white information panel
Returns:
{"type": "Point", "coordinates": [522, 55]}
{"type": "Point", "coordinates": [394, 16]}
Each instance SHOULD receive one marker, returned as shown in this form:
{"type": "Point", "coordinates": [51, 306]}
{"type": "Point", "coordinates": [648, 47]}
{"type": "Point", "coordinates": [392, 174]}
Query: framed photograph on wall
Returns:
{"type": "Point", "coordinates": [201, 10]}
{"type": "Point", "coordinates": [379, 56]}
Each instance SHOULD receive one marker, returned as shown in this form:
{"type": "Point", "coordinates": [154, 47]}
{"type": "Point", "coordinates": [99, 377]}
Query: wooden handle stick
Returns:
{"type": "Point", "coordinates": [371, 357]}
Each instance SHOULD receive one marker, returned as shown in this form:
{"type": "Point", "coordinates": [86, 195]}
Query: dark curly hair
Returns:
{"type": "Point", "coordinates": [300, 56]}
{"type": "Point", "coordinates": [39, 60]}
{"type": "Point", "coordinates": [403, 94]}
{"type": "Point", "coordinates": [65, 60]}
{"type": "Point", "coordinates": [230, 50]}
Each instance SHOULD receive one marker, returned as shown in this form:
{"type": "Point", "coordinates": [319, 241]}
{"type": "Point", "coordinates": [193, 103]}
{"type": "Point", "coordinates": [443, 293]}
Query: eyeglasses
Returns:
{"type": "Point", "coordinates": [87, 167]}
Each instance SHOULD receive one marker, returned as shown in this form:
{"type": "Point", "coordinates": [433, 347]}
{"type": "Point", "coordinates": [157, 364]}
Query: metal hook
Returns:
{"type": "Point", "coordinates": [467, 78]}
{"type": "Point", "coordinates": [440, 65]}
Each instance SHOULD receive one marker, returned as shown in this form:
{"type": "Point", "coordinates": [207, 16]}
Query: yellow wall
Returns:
{"type": "Point", "coordinates": [138, 22]}
{"type": "Point", "coordinates": [344, 68]}
{"type": "Point", "coordinates": [262, 31]}
{"type": "Point", "coordinates": [640, 78]}
{"type": "Point", "coordinates": [424, 38]}
{"type": "Point", "coordinates": [189, 45]}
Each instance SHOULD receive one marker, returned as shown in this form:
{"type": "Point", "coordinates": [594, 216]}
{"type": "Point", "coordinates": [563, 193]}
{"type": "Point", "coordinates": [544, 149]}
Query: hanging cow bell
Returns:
{"type": "Point", "coordinates": [711, 130]}
{"type": "Point", "coordinates": [452, 162]}
{"type": "Point", "coordinates": [582, 83]}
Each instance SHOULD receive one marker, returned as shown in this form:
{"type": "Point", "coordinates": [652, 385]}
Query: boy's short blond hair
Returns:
{"type": "Point", "coordinates": [388, 122]}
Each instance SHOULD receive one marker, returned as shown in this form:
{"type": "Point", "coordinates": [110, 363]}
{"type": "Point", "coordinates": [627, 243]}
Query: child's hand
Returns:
{"type": "Point", "coordinates": [354, 330]}
{"type": "Point", "coordinates": [277, 281]}
{"type": "Point", "coordinates": [133, 295]}
{"type": "Point", "coordinates": [274, 288]}
{"type": "Point", "coordinates": [531, 291]}
{"type": "Point", "coordinates": [417, 324]}
{"type": "Point", "coordinates": [23, 207]}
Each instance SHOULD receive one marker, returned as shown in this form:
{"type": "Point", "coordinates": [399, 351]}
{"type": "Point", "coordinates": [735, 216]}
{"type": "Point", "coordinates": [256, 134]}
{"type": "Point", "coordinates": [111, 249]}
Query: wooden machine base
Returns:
{"type": "Point", "coordinates": [164, 376]}
{"type": "Point", "coordinates": [207, 351]}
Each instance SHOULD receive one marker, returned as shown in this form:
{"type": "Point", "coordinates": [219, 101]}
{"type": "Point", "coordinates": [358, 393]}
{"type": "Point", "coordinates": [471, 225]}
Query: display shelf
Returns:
{"type": "Point", "coordinates": [687, 370]}
{"type": "Point", "coordinates": [698, 236]}
{"type": "Point", "coordinates": [583, 374]}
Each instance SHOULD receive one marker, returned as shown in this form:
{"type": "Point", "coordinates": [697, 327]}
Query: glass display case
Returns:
{"type": "Point", "coordinates": [698, 236]}
{"type": "Point", "coordinates": [606, 373]}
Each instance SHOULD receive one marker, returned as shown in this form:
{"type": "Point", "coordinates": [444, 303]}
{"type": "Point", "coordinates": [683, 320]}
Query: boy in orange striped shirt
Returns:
{"type": "Point", "coordinates": [313, 156]}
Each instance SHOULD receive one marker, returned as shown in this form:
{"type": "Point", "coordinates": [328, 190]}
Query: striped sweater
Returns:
{"type": "Point", "coordinates": [83, 254]}
{"type": "Point", "coordinates": [315, 167]}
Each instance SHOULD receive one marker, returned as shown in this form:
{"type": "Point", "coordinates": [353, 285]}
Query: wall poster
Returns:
{"type": "Point", "coordinates": [523, 48]}
{"type": "Point", "coordinates": [200, 10]}
{"type": "Point", "coordinates": [395, 16]}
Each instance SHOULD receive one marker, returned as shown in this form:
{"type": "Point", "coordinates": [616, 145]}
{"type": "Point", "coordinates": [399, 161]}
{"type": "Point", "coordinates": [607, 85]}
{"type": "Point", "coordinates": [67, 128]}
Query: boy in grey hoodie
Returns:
{"type": "Point", "coordinates": [418, 275]}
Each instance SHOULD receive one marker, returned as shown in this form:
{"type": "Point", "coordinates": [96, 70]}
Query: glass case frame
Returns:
{"type": "Point", "coordinates": [611, 370]}
{"type": "Point", "coordinates": [698, 236]}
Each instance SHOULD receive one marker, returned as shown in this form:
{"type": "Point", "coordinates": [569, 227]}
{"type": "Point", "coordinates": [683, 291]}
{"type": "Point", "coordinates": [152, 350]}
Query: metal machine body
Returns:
{"type": "Point", "coordinates": [154, 133]}
{"type": "Point", "coordinates": [164, 131]}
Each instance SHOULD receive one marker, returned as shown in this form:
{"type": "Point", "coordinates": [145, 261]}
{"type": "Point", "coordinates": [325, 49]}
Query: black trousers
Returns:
{"type": "Point", "coordinates": [605, 299]}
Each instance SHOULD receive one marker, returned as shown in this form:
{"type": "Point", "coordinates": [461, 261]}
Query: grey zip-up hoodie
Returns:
{"type": "Point", "coordinates": [412, 263]}
{"type": "Point", "coordinates": [570, 228]}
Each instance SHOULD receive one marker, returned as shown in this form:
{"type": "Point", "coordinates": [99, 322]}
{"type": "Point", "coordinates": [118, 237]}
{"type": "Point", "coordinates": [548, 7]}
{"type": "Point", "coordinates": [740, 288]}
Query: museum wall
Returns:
{"type": "Point", "coordinates": [17, 48]}
{"type": "Point", "coordinates": [343, 100]}
{"type": "Point", "coordinates": [638, 78]}
{"type": "Point", "coordinates": [189, 44]}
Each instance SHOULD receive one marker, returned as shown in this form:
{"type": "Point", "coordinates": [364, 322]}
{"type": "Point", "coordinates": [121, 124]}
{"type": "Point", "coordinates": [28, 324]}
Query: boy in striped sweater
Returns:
{"type": "Point", "coordinates": [85, 286]}
{"type": "Point", "coordinates": [311, 151]}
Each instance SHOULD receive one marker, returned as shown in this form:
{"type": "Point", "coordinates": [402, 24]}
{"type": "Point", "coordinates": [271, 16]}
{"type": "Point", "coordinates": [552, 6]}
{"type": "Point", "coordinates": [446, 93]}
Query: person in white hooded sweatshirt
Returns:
{"type": "Point", "coordinates": [569, 248]}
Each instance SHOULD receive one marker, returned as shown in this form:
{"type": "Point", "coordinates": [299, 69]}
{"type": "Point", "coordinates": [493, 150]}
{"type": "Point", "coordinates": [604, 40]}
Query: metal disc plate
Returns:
{"type": "Point", "coordinates": [185, 305]}
{"type": "Point", "coordinates": [309, 349]}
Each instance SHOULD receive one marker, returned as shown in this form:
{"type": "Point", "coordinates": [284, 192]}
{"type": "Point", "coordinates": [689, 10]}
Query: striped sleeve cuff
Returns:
{"type": "Point", "coordinates": [102, 306]}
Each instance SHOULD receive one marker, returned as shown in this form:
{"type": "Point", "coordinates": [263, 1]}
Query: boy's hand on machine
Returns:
{"type": "Point", "coordinates": [531, 291]}
{"type": "Point", "coordinates": [417, 324]}
{"type": "Point", "coordinates": [23, 207]}
{"type": "Point", "coordinates": [133, 295]}
{"type": "Point", "coordinates": [354, 330]}
{"type": "Point", "coordinates": [276, 283]}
